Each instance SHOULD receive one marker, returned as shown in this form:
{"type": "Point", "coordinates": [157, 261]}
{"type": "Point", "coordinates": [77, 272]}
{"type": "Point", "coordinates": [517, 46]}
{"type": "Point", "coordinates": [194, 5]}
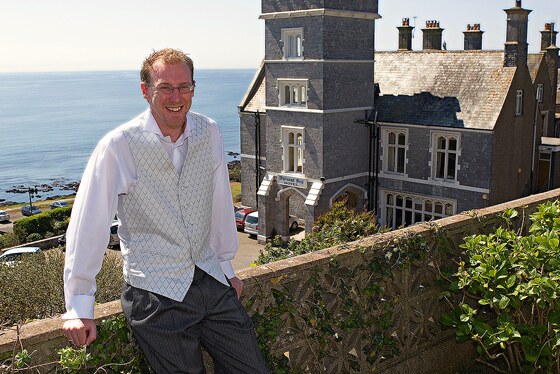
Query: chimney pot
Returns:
{"type": "Point", "coordinates": [432, 35]}
{"type": "Point", "coordinates": [518, 3]}
{"type": "Point", "coordinates": [548, 37]}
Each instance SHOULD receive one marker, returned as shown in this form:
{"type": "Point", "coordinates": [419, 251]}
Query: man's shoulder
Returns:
{"type": "Point", "coordinates": [118, 134]}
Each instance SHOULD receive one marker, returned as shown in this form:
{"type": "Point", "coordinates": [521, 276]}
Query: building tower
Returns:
{"type": "Point", "coordinates": [318, 77]}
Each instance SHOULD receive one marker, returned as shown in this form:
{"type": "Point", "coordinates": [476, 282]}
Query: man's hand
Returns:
{"type": "Point", "coordinates": [80, 331]}
{"type": "Point", "coordinates": [237, 284]}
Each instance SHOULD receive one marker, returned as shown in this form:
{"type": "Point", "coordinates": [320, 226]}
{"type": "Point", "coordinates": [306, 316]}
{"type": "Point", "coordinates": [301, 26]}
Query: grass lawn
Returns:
{"type": "Point", "coordinates": [235, 188]}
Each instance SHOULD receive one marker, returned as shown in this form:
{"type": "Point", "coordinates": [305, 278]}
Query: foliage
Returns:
{"type": "Point", "coordinates": [338, 226]}
{"type": "Point", "coordinates": [33, 237]}
{"type": "Point", "coordinates": [510, 287]}
{"type": "Point", "coordinates": [235, 175]}
{"type": "Point", "coordinates": [32, 288]}
{"type": "Point", "coordinates": [114, 351]}
{"type": "Point", "coordinates": [8, 240]}
{"type": "Point", "coordinates": [42, 223]}
{"type": "Point", "coordinates": [359, 293]}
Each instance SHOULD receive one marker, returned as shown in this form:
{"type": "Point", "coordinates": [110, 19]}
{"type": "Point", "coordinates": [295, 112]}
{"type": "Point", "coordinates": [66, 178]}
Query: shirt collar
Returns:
{"type": "Point", "coordinates": [152, 127]}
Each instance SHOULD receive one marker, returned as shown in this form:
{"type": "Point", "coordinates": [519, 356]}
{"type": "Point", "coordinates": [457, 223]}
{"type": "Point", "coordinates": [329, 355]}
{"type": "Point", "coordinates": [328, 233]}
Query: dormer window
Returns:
{"type": "Point", "coordinates": [293, 43]}
{"type": "Point", "coordinates": [292, 92]}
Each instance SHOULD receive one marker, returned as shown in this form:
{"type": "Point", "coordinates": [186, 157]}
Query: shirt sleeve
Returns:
{"type": "Point", "coordinates": [223, 232]}
{"type": "Point", "coordinates": [88, 232]}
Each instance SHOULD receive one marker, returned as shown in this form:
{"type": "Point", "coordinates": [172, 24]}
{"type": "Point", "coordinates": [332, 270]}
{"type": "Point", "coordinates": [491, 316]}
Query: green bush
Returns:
{"type": "Point", "coordinates": [8, 240]}
{"type": "Point", "coordinates": [338, 226]}
{"type": "Point", "coordinates": [41, 223]}
{"type": "Point", "coordinates": [33, 237]}
{"type": "Point", "coordinates": [510, 302]}
{"type": "Point", "coordinates": [33, 289]}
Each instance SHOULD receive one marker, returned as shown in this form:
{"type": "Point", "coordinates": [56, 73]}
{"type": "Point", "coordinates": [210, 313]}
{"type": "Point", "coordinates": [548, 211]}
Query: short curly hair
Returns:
{"type": "Point", "coordinates": [168, 56]}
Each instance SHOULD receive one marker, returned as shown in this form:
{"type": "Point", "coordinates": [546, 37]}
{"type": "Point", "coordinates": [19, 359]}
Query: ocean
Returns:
{"type": "Point", "coordinates": [51, 122]}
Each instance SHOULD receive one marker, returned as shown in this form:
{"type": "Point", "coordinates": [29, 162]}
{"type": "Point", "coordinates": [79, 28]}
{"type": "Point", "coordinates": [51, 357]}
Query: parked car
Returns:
{"type": "Point", "coordinates": [252, 224]}
{"type": "Point", "coordinates": [4, 216]}
{"type": "Point", "coordinates": [30, 210]}
{"type": "Point", "coordinates": [295, 222]}
{"type": "Point", "coordinates": [59, 204]}
{"type": "Point", "coordinates": [62, 240]}
{"type": "Point", "coordinates": [114, 240]}
{"type": "Point", "coordinates": [11, 256]}
{"type": "Point", "coordinates": [240, 216]}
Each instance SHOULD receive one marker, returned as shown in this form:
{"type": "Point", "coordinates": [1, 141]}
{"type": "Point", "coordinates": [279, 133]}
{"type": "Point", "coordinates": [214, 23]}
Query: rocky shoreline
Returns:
{"type": "Point", "coordinates": [39, 191]}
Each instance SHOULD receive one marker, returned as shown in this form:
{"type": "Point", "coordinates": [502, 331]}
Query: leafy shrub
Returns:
{"type": "Point", "coordinates": [339, 225]}
{"type": "Point", "coordinates": [33, 237]}
{"type": "Point", "coordinates": [8, 240]}
{"type": "Point", "coordinates": [40, 223]}
{"type": "Point", "coordinates": [235, 175]}
{"type": "Point", "coordinates": [32, 288]}
{"type": "Point", "coordinates": [511, 294]}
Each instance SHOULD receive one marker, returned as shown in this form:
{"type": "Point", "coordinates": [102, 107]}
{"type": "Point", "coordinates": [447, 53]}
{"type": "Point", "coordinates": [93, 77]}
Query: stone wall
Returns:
{"type": "Point", "coordinates": [309, 304]}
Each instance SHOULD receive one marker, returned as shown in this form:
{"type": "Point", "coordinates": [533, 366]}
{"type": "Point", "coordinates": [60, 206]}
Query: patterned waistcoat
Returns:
{"type": "Point", "coordinates": [167, 215]}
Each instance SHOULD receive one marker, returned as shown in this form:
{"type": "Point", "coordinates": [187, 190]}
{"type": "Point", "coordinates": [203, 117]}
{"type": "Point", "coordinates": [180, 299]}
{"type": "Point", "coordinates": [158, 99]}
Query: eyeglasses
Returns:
{"type": "Point", "coordinates": [168, 89]}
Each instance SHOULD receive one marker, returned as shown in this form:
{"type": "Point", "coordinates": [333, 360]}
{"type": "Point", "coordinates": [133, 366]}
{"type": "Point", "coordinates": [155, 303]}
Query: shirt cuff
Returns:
{"type": "Point", "coordinates": [80, 306]}
{"type": "Point", "coordinates": [227, 269]}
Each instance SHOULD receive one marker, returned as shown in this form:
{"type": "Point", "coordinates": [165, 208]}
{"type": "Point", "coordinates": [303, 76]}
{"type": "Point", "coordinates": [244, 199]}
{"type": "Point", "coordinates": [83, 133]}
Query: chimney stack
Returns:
{"type": "Point", "coordinates": [473, 37]}
{"type": "Point", "coordinates": [432, 35]}
{"type": "Point", "coordinates": [548, 37]}
{"type": "Point", "coordinates": [516, 36]}
{"type": "Point", "coordinates": [405, 35]}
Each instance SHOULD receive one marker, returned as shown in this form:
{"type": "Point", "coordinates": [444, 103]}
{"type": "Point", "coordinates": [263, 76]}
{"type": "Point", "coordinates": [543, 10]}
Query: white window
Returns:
{"type": "Point", "coordinates": [394, 150]}
{"type": "Point", "coordinates": [292, 92]}
{"type": "Point", "coordinates": [519, 103]}
{"type": "Point", "coordinates": [540, 92]}
{"type": "Point", "coordinates": [292, 142]}
{"type": "Point", "coordinates": [293, 43]}
{"type": "Point", "coordinates": [445, 151]}
{"type": "Point", "coordinates": [404, 210]}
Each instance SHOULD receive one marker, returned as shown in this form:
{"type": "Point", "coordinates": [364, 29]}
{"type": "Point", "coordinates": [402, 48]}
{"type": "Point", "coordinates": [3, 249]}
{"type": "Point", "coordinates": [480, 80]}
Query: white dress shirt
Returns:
{"type": "Point", "coordinates": [109, 173]}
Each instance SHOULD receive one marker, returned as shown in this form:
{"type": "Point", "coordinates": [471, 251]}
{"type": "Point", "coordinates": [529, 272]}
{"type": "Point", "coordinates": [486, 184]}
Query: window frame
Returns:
{"type": "Point", "coordinates": [420, 209]}
{"type": "Point", "coordinates": [295, 101]}
{"type": "Point", "coordinates": [519, 102]}
{"type": "Point", "coordinates": [435, 151]}
{"type": "Point", "coordinates": [294, 32]}
{"type": "Point", "coordinates": [295, 164]}
{"type": "Point", "coordinates": [387, 150]}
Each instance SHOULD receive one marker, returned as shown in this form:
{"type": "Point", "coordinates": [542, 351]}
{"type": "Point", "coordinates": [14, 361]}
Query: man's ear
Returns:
{"type": "Point", "coordinates": [144, 87]}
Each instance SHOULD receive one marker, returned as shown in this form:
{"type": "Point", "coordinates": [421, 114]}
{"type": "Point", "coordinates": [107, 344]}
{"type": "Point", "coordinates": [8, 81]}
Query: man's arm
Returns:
{"type": "Point", "coordinates": [223, 232]}
{"type": "Point", "coordinates": [86, 239]}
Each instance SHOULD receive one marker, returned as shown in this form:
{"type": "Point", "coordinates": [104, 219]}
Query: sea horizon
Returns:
{"type": "Point", "coordinates": [51, 121]}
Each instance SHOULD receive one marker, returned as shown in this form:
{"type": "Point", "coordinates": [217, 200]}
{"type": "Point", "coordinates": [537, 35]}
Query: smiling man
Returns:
{"type": "Point", "coordinates": [165, 176]}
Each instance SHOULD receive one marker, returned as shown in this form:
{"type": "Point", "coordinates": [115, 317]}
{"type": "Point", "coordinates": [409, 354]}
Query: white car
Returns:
{"type": "Point", "coordinates": [4, 216]}
{"type": "Point", "coordinates": [11, 256]}
{"type": "Point", "coordinates": [252, 224]}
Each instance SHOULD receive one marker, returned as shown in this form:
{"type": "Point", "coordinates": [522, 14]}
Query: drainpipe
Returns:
{"type": "Point", "coordinates": [257, 155]}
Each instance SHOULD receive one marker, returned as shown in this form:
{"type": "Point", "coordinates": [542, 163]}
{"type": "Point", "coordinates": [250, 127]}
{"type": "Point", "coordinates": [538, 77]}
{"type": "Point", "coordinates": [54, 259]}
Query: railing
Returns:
{"type": "Point", "coordinates": [370, 305]}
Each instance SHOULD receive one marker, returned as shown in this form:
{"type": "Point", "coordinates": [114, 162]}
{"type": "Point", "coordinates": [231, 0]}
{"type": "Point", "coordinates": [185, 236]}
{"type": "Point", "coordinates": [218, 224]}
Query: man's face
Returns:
{"type": "Point", "coordinates": [169, 110]}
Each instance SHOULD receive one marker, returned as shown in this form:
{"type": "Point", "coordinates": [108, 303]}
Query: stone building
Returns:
{"type": "Point", "coordinates": [300, 146]}
{"type": "Point", "coordinates": [440, 132]}
{"type": "Point", "coordinates": [461, 130]}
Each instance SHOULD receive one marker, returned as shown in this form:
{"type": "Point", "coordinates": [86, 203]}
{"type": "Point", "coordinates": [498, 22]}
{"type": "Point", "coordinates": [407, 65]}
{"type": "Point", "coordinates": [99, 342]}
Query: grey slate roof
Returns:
{"type": "Point", "coordinates": [534, 60]}
{"type": "Point", "coordinates": [442, 88]}
{"type": "Point", "coordinates": [255, 97]}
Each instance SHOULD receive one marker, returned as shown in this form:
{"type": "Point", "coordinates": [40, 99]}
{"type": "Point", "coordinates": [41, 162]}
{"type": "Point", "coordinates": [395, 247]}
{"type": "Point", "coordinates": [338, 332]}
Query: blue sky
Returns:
{"type": "Point", "coordinates": [66, 35]}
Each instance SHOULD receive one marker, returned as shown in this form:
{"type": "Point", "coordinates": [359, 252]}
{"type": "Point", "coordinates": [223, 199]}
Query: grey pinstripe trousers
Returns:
{"type": "Point", "coordinates": [170, 333]}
